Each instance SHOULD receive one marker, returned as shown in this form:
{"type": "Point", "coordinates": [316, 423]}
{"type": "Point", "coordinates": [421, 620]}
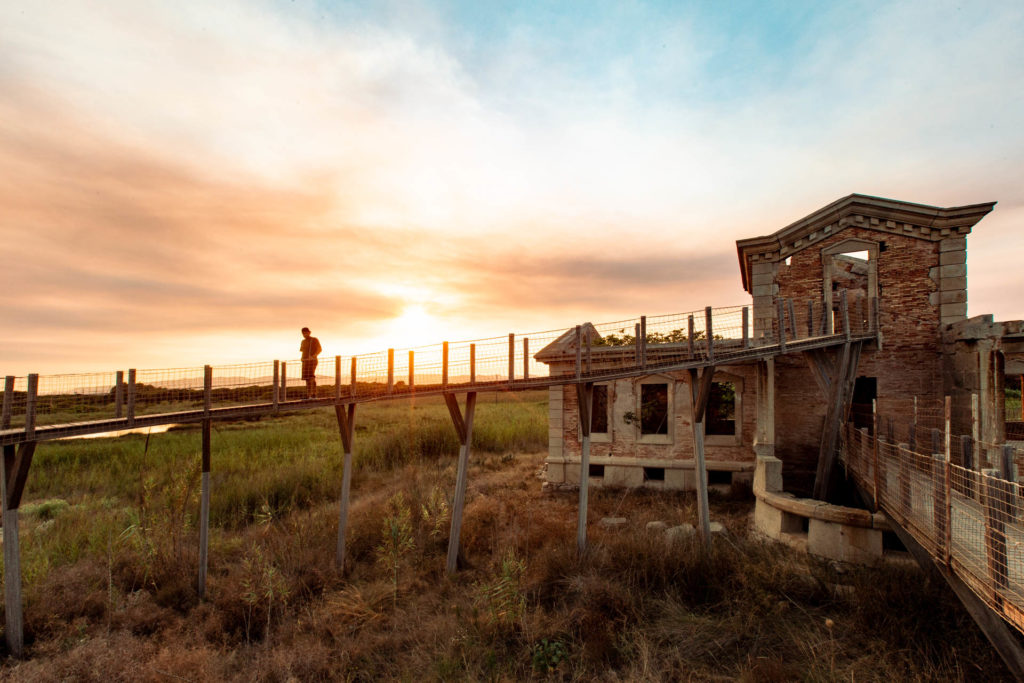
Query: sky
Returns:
{"type": "Point", "coordinates": [192, 182]}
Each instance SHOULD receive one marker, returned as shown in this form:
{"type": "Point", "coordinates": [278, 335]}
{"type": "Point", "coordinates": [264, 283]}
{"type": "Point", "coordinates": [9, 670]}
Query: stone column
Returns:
{"type": "Point", "coordinates": [764, 435]}
{"type": "Point", "coordinates": [951, 277]}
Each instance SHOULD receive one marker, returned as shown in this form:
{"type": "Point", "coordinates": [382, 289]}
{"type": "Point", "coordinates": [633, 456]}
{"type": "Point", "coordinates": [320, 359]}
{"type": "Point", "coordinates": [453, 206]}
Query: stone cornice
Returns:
{"type": "Point", "coordinates": [887, 216]}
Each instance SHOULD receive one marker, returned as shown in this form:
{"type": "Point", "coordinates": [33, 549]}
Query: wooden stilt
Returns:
{"type": "Point", "coordinates": [131, 397]}
{"type": "Point", "coordinates": [352, 379]}
{"type": "Point", "coordinates": [700, 392]}
{"type": "Point", "coordinates": [464, 430]}
{"type": "Point", "coordinates": [337, 378]}
{"type": "Point", "coordinates": [276, 392]}
{"type": "Point", "coordinates": [511, 359]}
{"type": "Point", "coordinates": [585, 398]}
{"type": "Point", "coordinates": [690, 335]}
{"type": "Point", "coordinates": [709, 333]}
{"type": "Point", "coordinates": [346, 427]}
{"type": "Point", "coordinates": [283, 393]}
{"type": "Point", "coordinates": [119, 394]}
{"type": "Point", "coordinates": [840, 393]}
{"type": "Point", "coordinates": [204, 500]}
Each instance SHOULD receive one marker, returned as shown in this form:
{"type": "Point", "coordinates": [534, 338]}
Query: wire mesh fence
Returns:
{"type": "Point", "coordinates": [956, 495]}
{"type": "Point", "coordinates": [645, 343]}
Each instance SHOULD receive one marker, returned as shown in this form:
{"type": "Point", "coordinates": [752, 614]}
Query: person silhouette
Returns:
{"type": "Point", "coordinates": [310, 349]}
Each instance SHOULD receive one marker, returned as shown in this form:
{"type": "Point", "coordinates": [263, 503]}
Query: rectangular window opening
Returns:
{"type": "Point", "coordinates": [597, 471]}
{"type": "Point", "coordinates": [721, 416]}
{"type": "Point", "coordinates": [653, 409]}
{"type": "Point", "coordinates": [654, 474]}
{"type": "Point", "coordinates": [719, 477]}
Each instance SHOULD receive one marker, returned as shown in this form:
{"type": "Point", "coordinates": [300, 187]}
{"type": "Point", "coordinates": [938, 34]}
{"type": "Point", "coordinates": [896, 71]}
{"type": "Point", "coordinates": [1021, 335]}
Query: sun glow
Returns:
{"type": "Point", "coordinates": [415, 326]}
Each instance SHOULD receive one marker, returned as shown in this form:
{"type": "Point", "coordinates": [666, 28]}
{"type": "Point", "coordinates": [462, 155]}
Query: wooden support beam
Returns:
{"type": "Point", "coordinates": [204, 496]}
{"type": "Point", "coordinates": [453, 409]}
{"type": "Point", "coordinates": [840, 394]}
{"type": "Point", "coordinates": [14, 632]}
{"type": "Point", "coordinates": [746, 326]}
{"type": "Point", "coordinates": [465, 445]}
{"type": "Point", "coordinates": [700, 392]}
{"type": "Point", "coordinates": [585, 401]}
{"type": "Point", "coordinates": [817, 361]}
{"type": "Point", "coordinates": [346, 415]}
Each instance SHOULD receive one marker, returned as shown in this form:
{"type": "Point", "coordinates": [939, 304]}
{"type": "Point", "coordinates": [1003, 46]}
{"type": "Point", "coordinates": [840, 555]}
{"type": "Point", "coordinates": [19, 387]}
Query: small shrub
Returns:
{"type": "Point", "coordinates": [398, 540]}
{"type": "Point", "coordinates": [548, 655]}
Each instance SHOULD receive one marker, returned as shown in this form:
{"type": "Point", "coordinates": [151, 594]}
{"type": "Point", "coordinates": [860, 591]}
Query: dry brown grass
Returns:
{"type": "Point", "coordinates": [631, 609]}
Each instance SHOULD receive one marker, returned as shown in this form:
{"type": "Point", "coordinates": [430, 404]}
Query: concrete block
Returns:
{"type": "Point", "coordinates": [763, 290]}
{"type": "Point", "coordinates": [953, 296]}
{"type": "Point", "coordinates": [946, 310]}
{"type": "Point", "coordinates": [624, 476]}
{"type": "Point", "coordinates": [556, 472]}
{"type": "Point", "coordinates": [953, 244]}
{"type": "Point", "coordinates": [767, 475]}
{"type": "Point", "coordinates": [953, 271]}
{"type": "Point", "coordinates": [657, 526]}
{"type": "Point", "coordinates": [680, 533]}
{"type": "Point", "coordinates": [952, 257]}
{"type": "Point", "coordinates": [844, 543]}
{"type": "Point", "coordinates": [949, 284]}
{"type": "Point", "coordinates": [760, 268]}
{"type": "Point", "coordinates": [762, 279]}
{"type": "Point", "coordinates": [768, 520]}
{"type": "Point", "coordinates": [717, 528]}
{"type": "Point", "coordinates": [679, 479]}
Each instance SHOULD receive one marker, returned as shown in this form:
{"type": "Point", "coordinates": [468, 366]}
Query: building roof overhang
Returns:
{"type": "Point", "coordinates": [890, 216]}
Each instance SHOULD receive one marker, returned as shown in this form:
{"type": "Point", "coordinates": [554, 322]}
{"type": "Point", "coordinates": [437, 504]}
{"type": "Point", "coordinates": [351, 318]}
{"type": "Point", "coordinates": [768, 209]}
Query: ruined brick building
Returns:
{"type": "Point", "coordinates": [900, 264]}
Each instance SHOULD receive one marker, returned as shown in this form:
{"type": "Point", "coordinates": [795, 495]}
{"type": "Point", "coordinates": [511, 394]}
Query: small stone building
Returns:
{"type": "Point", "coordinates": [900, 264]}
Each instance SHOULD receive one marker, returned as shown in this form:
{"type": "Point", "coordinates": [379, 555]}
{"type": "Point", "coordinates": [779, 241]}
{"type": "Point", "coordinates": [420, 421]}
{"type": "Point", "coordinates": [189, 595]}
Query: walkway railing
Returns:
{"type": "Point", "coordinates": [41, 407]}
{"type": "Point", "coordinates": [957, 496]}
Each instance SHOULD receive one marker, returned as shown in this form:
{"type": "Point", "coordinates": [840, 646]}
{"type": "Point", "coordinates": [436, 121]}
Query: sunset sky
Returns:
{"type": "Point", "coordinates": [192, 182]}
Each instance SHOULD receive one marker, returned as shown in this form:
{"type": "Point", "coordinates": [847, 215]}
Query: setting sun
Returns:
{"type": "Point", "coordinates": [415, 326]}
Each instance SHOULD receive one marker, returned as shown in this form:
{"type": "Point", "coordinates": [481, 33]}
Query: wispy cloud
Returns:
{"type": "Point", "coordinates": [180, 173]}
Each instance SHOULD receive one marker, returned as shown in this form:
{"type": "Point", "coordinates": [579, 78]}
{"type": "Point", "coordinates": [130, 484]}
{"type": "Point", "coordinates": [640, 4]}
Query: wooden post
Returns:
{"type": "Point", "coordinates": [119, 394]}
{"type": "Point", "coordinates": [876, 475]}
{"type": "Point", "coordinates": [346, 415]}
{"type": "Point", "coordinates": [464, 429]}
{"type": "Point", "coordinates": [390, 371]}
{"type": "Point", "coordinates": [444, 365]}
{"type": "Point", "coordinates": [276, 393]}
{"type": "Point", "coordinates": [967, 456]}
{"type": "Point", "coordinates": [975, 419]}
{"type": "Point", "coordinates": [590, 367]}
{"type": "Point", "coordinates": [792, 319]}
{"type": "Point", "coordinates": [585, 399]}
{"type": "Point", "coordinates": [472, 363]}
{"type": "Point", "coordinates": [844, 310]}
{"type": "Point", "coordinates": [700, 392]}
{"type": "Point", "coordinates": [709, 333]}
{"type": "Point", "coordinates": [579, 352]}
{"type": "Point", "coordinates": [940, 503]}
{"type": "Point", "coordinates": [526, 356]}
{"type": "Point", "coordinates": [337, 378]}
{"type": "Point", "coordinates": [14, 632]}
{"type": "Point", "coordinates": [904, 477]}
{"type": "Point", "coordinates": [996, 516]}
{"type": "Point", "coordinates": [691, 334]}
{"type": "Point", "coordinates": [781, 320]}
{"type": "Point", "coordinates": [131, 397]}
{"type": "Point", "coordinates": [948, 415]}
{"type": "Point", "coordinates": [810, 318]}
{"type": "Point", "coordinates": [643, 341]}
{"type": "Point", "coordinates": [204, 500]}
{"type": "Point", "coordinates": [636, 344]}
{"type": "Point", "coordinates": [30, 406]}
{"type": "Point", "coordinates": [352, 379]}
{"type": "Point", "coordinates": [746, 323]}
{"type": "Point", "coordinates": [511, 359]}
{"type": "Point", "coordinates": [912, 436]}
{"type": "Point", "coordinates": [284, 382]}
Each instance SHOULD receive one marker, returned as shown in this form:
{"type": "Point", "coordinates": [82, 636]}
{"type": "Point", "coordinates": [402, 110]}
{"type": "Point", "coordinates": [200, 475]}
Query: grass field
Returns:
{"type": "Point", "coordinates": [109, 549]}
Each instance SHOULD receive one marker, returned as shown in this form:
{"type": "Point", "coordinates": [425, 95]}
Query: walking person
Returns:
{"type": "Point", "coordinates": [310, 349]}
